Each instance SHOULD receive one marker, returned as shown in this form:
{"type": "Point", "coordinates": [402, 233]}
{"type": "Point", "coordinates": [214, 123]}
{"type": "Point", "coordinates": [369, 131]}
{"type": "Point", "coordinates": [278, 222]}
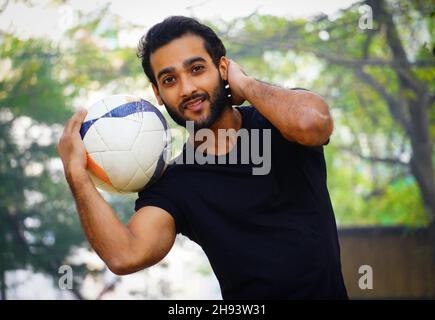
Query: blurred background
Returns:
{"type": "Point", "coordinates": [373, 61]}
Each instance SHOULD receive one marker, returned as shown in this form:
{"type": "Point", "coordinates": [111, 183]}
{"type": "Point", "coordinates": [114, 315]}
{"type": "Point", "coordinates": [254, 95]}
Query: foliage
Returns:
{"type": "Point", "coordinates": [374, 101]}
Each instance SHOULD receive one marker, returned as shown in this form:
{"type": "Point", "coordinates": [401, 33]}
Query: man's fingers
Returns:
{"type": "Point", "coordinates": [74, 124]}
{"type": "Point", "coordinates": [79, 117]}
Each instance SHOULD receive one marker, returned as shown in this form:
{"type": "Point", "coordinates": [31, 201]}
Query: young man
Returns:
{"type": "Point", "coordinates": [271, 235]}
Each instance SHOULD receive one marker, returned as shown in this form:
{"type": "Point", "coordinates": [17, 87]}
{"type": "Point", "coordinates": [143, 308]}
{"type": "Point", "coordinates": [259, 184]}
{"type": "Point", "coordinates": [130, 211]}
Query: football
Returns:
{"type": "Point", "coordinates": [127, 140]}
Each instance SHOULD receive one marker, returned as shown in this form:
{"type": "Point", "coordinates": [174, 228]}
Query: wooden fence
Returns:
{"type": "Point", "coordinates": [402, 262]}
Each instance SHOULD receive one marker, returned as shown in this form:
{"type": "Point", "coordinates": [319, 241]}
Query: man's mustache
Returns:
{"type": "Point", "coordinates": [203, 96]}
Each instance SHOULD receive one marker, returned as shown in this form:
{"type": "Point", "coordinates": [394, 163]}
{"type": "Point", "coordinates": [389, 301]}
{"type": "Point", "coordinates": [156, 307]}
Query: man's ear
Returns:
{"type": "Point", "coordinates": [157, 94]}
{"type": "Point", "coordinates": [223, 67]}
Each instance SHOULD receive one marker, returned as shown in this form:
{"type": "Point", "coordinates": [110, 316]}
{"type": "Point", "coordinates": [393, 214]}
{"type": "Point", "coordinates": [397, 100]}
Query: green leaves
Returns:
{"type": "Point", "coordinates": [39, 83]}
{"type": "Point", "coordinates": [29, 86]}
{"type": "Point", "coordinates": [370, 179]}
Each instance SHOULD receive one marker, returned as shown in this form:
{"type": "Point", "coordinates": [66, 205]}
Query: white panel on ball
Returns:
{"type": "Point", "coordinates": [118, 133]}
{"type": "Point", "coordinates": [96, 111]}
{"type": "Point", "coordinates": [136, 183]}
{"type": "Point", "coordinates": [93, 141]}
{"type": "Point", "coordinates": [151, 122]}
{"type": "Point", "coordinates": [120, 176]}
{"type": "Point", "coordinates": [147, 147]}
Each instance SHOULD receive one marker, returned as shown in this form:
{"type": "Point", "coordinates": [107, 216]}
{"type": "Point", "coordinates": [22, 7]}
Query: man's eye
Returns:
{"type": "Point", "coordinates": [168, 80]}
{"type": "Point", "coordinates": [198, 68]}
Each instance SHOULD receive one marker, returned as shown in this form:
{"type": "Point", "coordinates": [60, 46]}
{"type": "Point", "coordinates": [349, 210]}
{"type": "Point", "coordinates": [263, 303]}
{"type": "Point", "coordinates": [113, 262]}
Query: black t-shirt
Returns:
{"type": "Point", "coordinates": [269, 236]}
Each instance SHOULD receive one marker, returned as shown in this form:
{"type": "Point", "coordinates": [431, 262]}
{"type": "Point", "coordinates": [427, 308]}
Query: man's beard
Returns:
{"type": "Point", "coordinates": [218, 103]}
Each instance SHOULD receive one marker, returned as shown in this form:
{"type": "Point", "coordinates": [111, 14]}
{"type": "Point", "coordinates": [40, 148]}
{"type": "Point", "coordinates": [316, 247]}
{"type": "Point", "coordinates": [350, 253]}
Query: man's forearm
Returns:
{"type": "Point", "coordinates": [105, 232]}
{"type": "Point", "coordinates": [300, 115]}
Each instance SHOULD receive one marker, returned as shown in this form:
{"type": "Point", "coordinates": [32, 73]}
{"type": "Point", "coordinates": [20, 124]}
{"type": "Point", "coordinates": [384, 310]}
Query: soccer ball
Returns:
{"type": "Point", "coordinates": [127, 141]}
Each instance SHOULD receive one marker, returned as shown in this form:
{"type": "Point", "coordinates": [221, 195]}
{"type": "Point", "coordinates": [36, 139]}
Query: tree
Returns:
{"type": "Point", "coordinates": [381, 81]}
{"type": "Point", "coordinates": [26, 238]}
{"type": "Point", "coordinates": [39, 82]}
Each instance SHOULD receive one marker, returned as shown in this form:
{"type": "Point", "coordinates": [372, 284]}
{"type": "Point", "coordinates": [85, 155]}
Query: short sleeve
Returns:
{"type": "Point", "coordinates": [158, 195]}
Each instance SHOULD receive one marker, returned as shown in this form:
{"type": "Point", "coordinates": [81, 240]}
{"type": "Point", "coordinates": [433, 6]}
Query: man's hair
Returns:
{"type": "Point", "coordinates": [172, 28]}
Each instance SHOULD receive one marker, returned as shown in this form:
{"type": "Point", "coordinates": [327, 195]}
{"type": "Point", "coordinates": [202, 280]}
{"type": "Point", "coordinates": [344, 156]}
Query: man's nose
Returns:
{"type": "Point", "coordinates": [187, 87]}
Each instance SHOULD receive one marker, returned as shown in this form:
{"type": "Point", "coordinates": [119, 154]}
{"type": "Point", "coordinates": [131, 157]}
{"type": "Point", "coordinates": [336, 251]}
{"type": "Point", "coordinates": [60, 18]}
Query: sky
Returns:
{"type": "Point", "coordinates": [138, 12]}
{"type": "Point", "coordinates": [47, 20]}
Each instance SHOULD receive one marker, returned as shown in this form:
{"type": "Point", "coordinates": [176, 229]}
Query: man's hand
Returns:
{"type": "Point", "coordinates": [125, 249]}
{"type": "Point", "coordinates": [237, 79]}
{"type": "Point", "coordinates": [70, 147]}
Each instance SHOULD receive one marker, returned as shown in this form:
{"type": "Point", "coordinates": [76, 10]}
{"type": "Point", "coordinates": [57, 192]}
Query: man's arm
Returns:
{"type": "Point", "coordinates": [146, 239]}
{"type": "Point", "coordinates": [301, 116]}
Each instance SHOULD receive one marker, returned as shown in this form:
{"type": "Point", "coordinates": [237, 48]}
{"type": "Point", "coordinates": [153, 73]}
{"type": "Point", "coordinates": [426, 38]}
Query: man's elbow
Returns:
{"type": "Point", "coordinates": [122, 267]}
{"type": "Point", "coordinates": [314, 131]}
{"type": "Point", "coordinates": [118, 268]}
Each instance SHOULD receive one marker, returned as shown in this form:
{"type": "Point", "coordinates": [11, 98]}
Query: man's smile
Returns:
{"type": "Point", "coordinates": [195, 105]}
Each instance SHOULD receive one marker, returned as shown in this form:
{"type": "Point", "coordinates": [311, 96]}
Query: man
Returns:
{"type": "Point", "coordinates": [267, 236]}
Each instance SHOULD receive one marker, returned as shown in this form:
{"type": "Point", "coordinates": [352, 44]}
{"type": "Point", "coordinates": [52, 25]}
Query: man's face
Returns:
{"type": "Point", "coordinates": [188, 82]}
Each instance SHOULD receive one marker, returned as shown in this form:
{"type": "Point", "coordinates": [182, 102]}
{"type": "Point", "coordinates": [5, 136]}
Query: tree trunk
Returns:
{"type": "Point", "coordinates": [422, 170]}
{"type": "Point", "coordinates": [416, 121]}
{"type": "Point", "coordinates": [421, 161]}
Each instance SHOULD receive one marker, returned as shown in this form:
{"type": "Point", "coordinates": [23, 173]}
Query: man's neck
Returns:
{"type": "Point", "coordinates": [231, 118]}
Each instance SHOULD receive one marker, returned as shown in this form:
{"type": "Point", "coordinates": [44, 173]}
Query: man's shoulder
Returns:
{"type": "Point", "coordinates": [252, 119]}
